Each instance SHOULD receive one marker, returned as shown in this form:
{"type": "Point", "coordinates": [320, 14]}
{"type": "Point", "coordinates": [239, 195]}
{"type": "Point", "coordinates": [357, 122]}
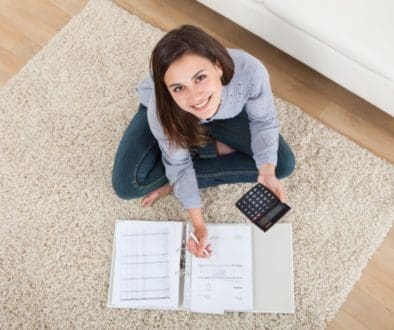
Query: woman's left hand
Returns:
{"type": "Point", "coordinates": [272, 183]}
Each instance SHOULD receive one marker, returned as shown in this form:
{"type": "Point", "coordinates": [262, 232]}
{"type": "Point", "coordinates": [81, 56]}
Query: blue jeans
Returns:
{"type": "Point", "coordinates": [138, 168]}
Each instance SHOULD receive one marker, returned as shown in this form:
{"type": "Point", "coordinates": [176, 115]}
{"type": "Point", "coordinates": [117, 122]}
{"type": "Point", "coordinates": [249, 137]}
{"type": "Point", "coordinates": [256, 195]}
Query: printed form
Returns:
{"type": "Point", "coordinates": [147, 264]}
{"type": "Point", "coordinates": [225, 282]}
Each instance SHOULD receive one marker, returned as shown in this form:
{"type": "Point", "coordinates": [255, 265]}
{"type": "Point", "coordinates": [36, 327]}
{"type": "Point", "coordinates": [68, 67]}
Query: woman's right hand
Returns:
{"type": "Point", "coordinates": [201, 233]}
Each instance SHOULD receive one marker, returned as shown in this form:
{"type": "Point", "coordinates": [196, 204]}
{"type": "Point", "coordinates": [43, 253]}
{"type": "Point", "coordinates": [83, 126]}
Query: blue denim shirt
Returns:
{"type": "Point", "coordinates": [249, 88]}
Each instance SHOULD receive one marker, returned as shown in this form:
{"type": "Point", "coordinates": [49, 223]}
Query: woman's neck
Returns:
{"type": "Point", "coordinates": [215, 111]}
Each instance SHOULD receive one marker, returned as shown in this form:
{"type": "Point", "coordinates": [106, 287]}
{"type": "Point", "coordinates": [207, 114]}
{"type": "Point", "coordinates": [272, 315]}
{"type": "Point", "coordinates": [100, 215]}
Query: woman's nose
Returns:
{"type": "Point", "coordinates": [194, 96]}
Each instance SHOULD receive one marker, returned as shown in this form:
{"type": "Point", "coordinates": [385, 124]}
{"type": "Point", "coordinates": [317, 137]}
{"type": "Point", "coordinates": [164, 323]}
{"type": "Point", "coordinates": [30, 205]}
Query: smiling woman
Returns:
{"type": "Point", "coordinates": [200, 95]}
{"type": "Point", "coordinates": [198, 88]}
{"type": "Point", "coordinates": [176, 63]}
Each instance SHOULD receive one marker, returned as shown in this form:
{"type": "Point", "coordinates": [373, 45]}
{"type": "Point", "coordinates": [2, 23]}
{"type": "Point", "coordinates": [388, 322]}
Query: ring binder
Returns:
{"type": "Point", "coordinates": [182, 259]}
{"type": "Point", "coordinates": [181, 273]}
{"type": "Point", "coordinates": [185, 282]}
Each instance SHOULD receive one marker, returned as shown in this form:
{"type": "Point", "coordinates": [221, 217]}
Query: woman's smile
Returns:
{"type": "Point", "coordinates": [202, 106]}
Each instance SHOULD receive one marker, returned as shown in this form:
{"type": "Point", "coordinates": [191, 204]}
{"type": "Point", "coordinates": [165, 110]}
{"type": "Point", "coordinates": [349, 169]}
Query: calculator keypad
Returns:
{"type": "Point", "coordinates": [257, 202]}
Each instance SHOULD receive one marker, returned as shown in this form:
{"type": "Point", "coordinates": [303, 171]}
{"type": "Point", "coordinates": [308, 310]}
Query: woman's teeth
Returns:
{"type": "Point", "coordinates": [201, 105]}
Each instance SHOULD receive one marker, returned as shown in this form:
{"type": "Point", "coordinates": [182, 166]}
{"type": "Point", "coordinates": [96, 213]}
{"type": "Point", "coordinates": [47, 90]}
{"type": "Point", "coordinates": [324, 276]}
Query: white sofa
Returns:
{"type": "Point", "coordinates": [350, 42]}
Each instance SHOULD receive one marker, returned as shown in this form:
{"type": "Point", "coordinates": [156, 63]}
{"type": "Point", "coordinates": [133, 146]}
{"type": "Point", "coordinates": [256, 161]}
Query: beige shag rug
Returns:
{"type": "Point", "coordinates": [61, 119]}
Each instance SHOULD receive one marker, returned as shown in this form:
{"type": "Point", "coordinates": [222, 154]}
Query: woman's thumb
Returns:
{"type": "Point", "coordinates": [203, 242]}
{"type": "Point", "coordinates": [282, 196]}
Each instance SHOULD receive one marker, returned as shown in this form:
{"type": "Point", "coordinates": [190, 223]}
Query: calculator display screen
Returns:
{"type": "Point", "coordinates": [271, 214]}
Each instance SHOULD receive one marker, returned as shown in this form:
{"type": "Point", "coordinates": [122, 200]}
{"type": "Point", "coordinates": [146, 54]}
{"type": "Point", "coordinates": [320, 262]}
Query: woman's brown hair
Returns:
{"type": "Point", "coordinates": [182, 128]}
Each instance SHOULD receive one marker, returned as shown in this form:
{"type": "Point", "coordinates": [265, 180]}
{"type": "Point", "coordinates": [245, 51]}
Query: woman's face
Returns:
{"type": "Point", "coordinates": [194, 84]}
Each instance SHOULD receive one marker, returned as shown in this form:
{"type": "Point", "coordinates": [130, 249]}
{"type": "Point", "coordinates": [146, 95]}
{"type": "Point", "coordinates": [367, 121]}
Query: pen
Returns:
{"type": "Point", "coordinates": [194, 238]}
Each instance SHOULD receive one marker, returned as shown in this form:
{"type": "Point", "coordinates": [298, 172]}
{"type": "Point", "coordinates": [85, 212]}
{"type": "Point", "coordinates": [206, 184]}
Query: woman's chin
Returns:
{"type": "Point", "coordinates": [204, 114]}
{"type": "Point", "coordinates": [208, 113]}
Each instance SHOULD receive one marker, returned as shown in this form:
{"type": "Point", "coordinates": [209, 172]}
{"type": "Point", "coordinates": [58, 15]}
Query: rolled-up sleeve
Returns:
{"type": "Point", "coordinates": [177, 162]}
{"type": "Point", "coordinates": [263, 119]}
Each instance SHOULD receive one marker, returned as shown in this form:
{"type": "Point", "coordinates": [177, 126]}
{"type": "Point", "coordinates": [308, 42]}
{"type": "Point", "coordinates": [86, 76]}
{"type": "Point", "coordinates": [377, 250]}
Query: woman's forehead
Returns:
{"type": "Point", "coordinates": [186, 67]}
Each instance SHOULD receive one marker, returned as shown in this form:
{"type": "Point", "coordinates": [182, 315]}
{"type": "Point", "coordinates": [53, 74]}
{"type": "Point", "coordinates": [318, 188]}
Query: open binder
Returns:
{"type": "Point", "coordinates": [251, 271]}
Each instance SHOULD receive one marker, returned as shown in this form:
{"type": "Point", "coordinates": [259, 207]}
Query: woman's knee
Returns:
{"type": "Point", "coordinates": [286, 166]}
{"type": "Point", "coordinates": [124, 187]}
{"type": "Point", "coordinates": [136, 142]}
{"type": "Point", "coordinates": [286, 160]}
{"type": "Point", "coordinates": [131, 180]}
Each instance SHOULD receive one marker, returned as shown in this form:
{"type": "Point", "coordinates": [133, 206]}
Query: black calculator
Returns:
{"type": "Point", "coordinates": [262, 207]}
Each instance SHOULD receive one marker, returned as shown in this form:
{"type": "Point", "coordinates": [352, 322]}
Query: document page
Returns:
{"type": "Point", "coordinates": [225, 282]}
{"type": "Point", "coordinates": [146, 265]}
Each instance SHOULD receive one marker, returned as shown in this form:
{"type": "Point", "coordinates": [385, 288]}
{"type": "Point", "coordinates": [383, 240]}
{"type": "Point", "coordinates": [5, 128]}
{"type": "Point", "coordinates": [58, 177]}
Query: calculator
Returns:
{"type": "Point", "coordinates": [262, 207]}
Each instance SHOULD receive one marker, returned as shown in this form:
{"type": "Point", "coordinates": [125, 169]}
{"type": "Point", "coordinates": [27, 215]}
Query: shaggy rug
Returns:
{"type": "Point", "coordinates": [61, 119]}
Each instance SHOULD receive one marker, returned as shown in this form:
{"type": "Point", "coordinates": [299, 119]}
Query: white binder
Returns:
{"type": "Point", "coordinates": [267, 287]}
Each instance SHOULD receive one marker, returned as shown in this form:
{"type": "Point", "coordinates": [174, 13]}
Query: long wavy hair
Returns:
{"type": "Point", "coordinates": [182, 128]}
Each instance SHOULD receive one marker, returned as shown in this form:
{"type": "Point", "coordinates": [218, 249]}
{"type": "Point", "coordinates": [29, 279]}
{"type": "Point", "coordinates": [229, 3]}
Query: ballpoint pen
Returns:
{"type": "Point", "coordinates": [194, 238]}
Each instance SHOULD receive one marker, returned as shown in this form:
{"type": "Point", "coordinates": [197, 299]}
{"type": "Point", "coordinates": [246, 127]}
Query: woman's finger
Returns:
{"type": "Point", "coordinates": [192, 246]}
{"type": "Point", "coordinates": [202, 237]}
{"type": "Point", "coordinates": [281, 193]}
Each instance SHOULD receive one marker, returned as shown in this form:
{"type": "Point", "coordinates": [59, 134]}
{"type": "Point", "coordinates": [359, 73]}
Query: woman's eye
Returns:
{"type": "Point", "coordinates": [201, 77]}
{"type": "Point", "coordinates": [177, 89]}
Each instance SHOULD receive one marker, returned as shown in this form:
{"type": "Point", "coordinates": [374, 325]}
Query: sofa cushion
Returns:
{"type": "Point", "coordinates": [341, 47]}
{"type": "Point", "coordinates": [361, 30]}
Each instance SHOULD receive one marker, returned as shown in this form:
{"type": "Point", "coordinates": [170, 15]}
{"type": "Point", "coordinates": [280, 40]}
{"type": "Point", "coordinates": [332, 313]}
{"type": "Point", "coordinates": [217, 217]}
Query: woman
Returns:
{"type": "Point", "coordinates": [206, 117]}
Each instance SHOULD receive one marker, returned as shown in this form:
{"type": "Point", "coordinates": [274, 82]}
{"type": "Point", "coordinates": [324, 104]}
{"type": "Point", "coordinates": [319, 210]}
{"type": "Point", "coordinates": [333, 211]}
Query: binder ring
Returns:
{"type": "Point", "coordinates": [182, 272]}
